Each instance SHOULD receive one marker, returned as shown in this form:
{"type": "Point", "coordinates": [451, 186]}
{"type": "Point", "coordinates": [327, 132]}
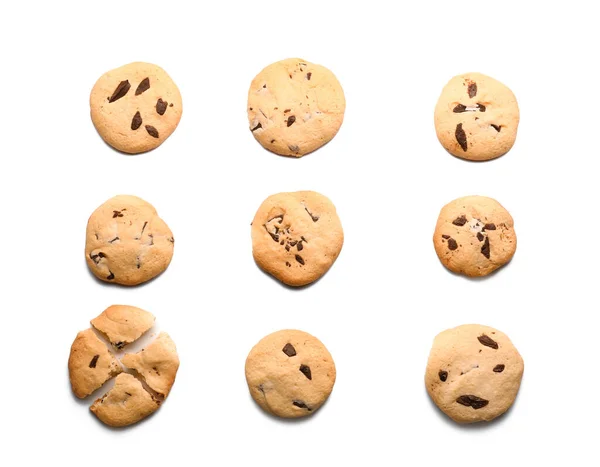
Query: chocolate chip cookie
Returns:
{"type": "Point", "coordinates": [296, 237]}
{"type": "Point", "coordinates": [290, 373]}
{"type": "Point", "coordinates": [474, 236]}
{"type": "Point", "coordinates": [295, 107]}
{"type": "Point", "coordinates": [126, 242]}
{"type": "Point", "coordinates": [136, 107]}
{"type": "Point", "coordinates": [476, 117]}
{"type": "Point", "coordinates": [473, 373]}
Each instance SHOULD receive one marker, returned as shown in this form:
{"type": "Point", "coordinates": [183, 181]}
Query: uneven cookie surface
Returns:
{"type": "Point", "coordinates": [90, 364]}
{"type": "Point", "coordinates": [474, 236]}
{"type": "Point", "coordinates": [476, 117]}
{"type": "Point", "coordinates": [296, 237]}
{"type": "Point", "coordinates": [126, 403]}
{"type": "Point", "coordinates": [136, 107]}
{"type": "Point", "coordinates": [123, 324]}
{"type": "Point", "coordinates": [473, 373]}
{"type": "Point", "coordinates": [157, 364]}
{"type": "Point", "coordinates": [295, 107]}
{"type": "Point", "coordinates": [290, 373]}
{"type": "Point", "coordinates": [126, 242]}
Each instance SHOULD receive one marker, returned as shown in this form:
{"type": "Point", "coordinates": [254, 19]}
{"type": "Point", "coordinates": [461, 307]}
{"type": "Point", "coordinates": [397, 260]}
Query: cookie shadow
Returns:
{"type": "Point", "coordinates": [283, 284]}
{"type": "Point", "coordinates": [287, 421]}
{"type": "Point", "coordinates": [115, 284]}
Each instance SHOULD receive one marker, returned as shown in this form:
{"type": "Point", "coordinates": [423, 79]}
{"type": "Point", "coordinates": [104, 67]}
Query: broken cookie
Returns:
{"type": "Point", "coordinates": [123, 324]}
{"type": "Point", "coordinates": [473, 373]}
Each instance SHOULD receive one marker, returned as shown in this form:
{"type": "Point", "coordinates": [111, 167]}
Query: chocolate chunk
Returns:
{"type": "Point", "coordinates": [443, 375]}
{"type": "Point", "coordinates": [291, 119]}
{"type": "Point", "coordinates": [143, 86]}
{"type": "Point", "coordinates": [289, 350]}
{"type": "Point", "coordinates": [101, 255]}
{"type": "Point", "coordinates": [287, 110]}
{"type": "Point", "coordinates": [499, 368]}
{"type": "Point", "coordinates": [446, 236]}
{"type": "Point", "coordinates": [472, 90]}
{"type": "Point", "coordinates": [481, 107]}
{"type": "Point", "coordinates": [122, 89]}
{"type": "Point", "coordinates": [480, 236]}
{"type": "Point", "coordinates": [161, 106]}
{"type": "Point", "coordinates": [111, 276]}
{"type": "Point", "coordinates": [302, 405]}
{"type": "Point", "coordinates": [94, 361]}
{"type": "Point", "coordinates": [136, 122]}
{"type": "Point", "coordinates": [459, 109]}
{"type": "Point", "coordinates": [313, 217]}
{"type": "Point", "coordinates": [300, 259]}
{"type": "Point", "coordinates": [114, 240]}
{"type": "Point", "coordinates": [119, 345]}
{"type": "Point", "coordinates": [496, 127]}
{"type": "Point", "coordinates": [300, 246]}
{"type": "Point", "coordinates": [472, 401]}
{"type": "Point", "coordinates": [489, 227]}
{"type": "Point", "coordinates": [308, 75]}
{"type": "Point", "coordinates": [461, 137]}
{"type": "Point", "coordinates": [460, 221]}
{"type": "Point", "coordinates": [485, 249]}
{"type": "Point", "coordinates": [305, 369]}
{"type": "Point", "coordinates": [152, 131]}
{"type": "Point", "coordinates": [487, 341]}
{"type": "Point", "coordinates": [288, 264]}
{"type": "Point", "coordinates": [452, 245]}
{"type": "Point", "coordinates": [293, 147]}
{"type": "Point", "coordinates": [257, 127]}
{"type": "Point", "coordinates": [117, 214]}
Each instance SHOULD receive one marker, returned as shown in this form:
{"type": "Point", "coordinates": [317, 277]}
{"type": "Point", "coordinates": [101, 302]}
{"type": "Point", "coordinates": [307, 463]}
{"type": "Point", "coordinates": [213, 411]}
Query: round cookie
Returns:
{"type": "Point", "coordinates": [126, 242]}
{"type": "Point", "coordinates": [474, 236]}
{"type": "Point", "coordinates": [290, 373]}
{"type": "Point", "coordinates": [295, 107]}
{"type": "Point", "coordinates": [125, 404]}
{"type": "Point", "coordinates": [123, 324]}
{"type": "Point", "coordinates": [136, 107]}
{"type": "Point", "coordinates": [296, 237]}
{"type": "Point", "coordinates": [476, 117]}
{"type": "Point", "coordinates": [473, 373]}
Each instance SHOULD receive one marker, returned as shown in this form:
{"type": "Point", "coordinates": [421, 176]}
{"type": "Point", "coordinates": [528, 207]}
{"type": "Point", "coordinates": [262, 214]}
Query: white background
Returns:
{"type": "Point", "coordinates": [387, 296]}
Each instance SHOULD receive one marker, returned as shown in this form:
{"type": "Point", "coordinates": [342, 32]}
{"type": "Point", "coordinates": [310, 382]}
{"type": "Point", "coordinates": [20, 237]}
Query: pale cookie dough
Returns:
{"type": "Point", "coordinates": [90, 364]}
{"type": "Point", "coordinates": [157, 364]}
{"type": "Point", "coordinates": [296, 237]}
{"type": "Point", "coordinates": [126, 403]}
{"type": "Point", "coordinates": [473, 373]}
{"type": "Point", "coordinates": [474, 236]}
{"type": "Point", "coordinates": [136, 107]}
{"type": "Point", "coordinates": [123, 324]}
{"type": "Point", "coordinates": [290, 373]}
{"type": "Point", "coordinates": [295, 107]}
{"type": "Point", "coordinates": [126, 242]}
{"type": "Point", "coordinates": [476, 117]}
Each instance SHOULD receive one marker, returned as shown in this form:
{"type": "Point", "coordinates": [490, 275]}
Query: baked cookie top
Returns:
{"type": "Point", "coordinates": [90, 364]}
{"type": "Point", "coordinates": [476, 117]}
{"type": "Point", "coordinates": [126, 403]}
{"type": "Point", "coordinates": [290, 373]}
{"type": "Point", "coordinates": [136, 107]}
{"type": "Point", "coordinates": [126, 242]}
{"type": "Point", "coordinates": [474, 236]}
{"type": "Point", "coordinates": [473, 373]}
{"type": "Point", "coordinates": [296, 237]}
{"type": "Point", "coordinates": [123, 324]}
{"type": "Point", "coordinates": [295, 107]}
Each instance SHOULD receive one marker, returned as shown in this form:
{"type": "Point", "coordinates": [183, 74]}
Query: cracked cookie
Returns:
{"type": "Point", "coordinates": [123, 324]}
{"type": "Point", "coordinates": [473, 373]}
{"type": "Point", "coordinates": [148, 375]}
{"type": "Point", "coordinates": [136, 107]}
{"type": "Point", "coordinates": [476, 117]}
{"type": "Point", "coordinates": [474, 236]}
{"type": "Point", "coordinates": [290, 373]}
{"type": "Point", "coordinates": [126, 242]}
{"type": "Point", "coordinates": [296, 237]}
{"type": "Point", "coordinates": [295, 107]}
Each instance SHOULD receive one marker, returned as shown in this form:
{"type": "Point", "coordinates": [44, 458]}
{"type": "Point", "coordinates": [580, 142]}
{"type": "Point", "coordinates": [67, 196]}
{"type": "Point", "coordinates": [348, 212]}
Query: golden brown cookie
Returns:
{"type": "Point", "coordinates": [90, 364]}
{"type": "Point", "coordinates": [296, 237]}
{"type": "Point", "coordinates": [290, 373]}
{"type": "Point", "coordinates": [157, 364]}
{"type": "Point", "coordinates": [476, 117]}
{"type": "Point", "coordinates": [474, 236]}
{"type": "Point", "coordinates": [126, 242]}
{"type": "Point", "coordinates": [136, 107]}
{"type": "Point", "coordinates": [474, 373]}
{"type": "Point", "coordinates": [295, 107]}
{"type": "Point", "coordinates": [126, 403]}
{"type": "Point", "coordinates": [123, 324]}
